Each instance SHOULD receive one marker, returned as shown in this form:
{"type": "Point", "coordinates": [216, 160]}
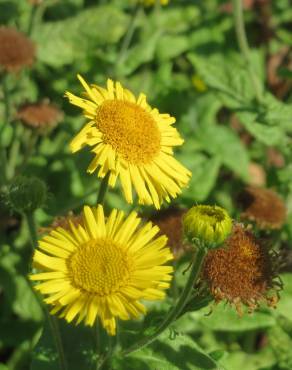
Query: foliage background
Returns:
{"type": "Point", "coordinates": [185, 57]}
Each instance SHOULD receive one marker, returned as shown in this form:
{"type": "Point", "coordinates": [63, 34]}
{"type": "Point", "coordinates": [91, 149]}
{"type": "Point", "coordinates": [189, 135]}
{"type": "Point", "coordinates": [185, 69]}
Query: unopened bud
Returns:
{"type": "Point", "coordinates": [207, 225]}
{"type": "Point", "coordinates": [26, 194]}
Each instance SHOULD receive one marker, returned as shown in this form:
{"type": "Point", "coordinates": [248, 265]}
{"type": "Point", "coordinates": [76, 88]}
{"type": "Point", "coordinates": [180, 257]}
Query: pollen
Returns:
{"type": "Point", "coordinates": [99, 267]}
{"type": "Point", "coordinates": [130, 130]}
{"type": "Point", "coordinates": [241, 272]}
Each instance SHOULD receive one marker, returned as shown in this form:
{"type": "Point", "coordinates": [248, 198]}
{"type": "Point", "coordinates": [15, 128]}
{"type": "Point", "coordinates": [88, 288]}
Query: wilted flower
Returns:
{"type": "Point", "coordinates": [263, 206]}
{"type": "Point", "coordinates": [102, 267]}
{"type": "Point", "coordinates": [41, 115]}
{"type": "Point", "coordinates": [208, 224]}
{"type": "Point", "coordinates": [131, 141]}
{"type": "Point", "coordinates": [16, 50]}
{"type": "Point", "coordinates": [243, 271]}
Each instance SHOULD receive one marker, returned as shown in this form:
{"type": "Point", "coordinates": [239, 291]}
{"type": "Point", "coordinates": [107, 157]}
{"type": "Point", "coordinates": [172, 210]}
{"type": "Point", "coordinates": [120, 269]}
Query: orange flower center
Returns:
{"type": "Point", "coordinates": [130, 130]}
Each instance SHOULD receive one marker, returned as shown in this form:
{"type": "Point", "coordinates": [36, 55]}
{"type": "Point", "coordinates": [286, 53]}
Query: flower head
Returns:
{"type": "Point", "coordinates": [42, 115]}
{"type": "Point", "coordinates": [208, 224]}
{"type": "Point", "coordinates": [242, 272]}
{"type": "Point", "coordinates": [132, 141]}
{"type": "Point", "coordinates": [102, 268]}
{"type": "Point", "coordinates": [263, 206]}
{"type": "Point", "coordinates": [16, 50]}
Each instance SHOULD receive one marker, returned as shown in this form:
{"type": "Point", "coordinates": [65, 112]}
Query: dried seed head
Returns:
{"type": "Point", "coordinates": [63, 222]}
{"type": "Point", "coordinates": [242, 272]}
{"type": "Point", "coordinates": [16, 50]}
{"type": "Point", "coordinates": [169, 222]}
{"type": "Point", "coordinates": [40, 115]}
{"type": "Point", "coordinates": [263, 206]}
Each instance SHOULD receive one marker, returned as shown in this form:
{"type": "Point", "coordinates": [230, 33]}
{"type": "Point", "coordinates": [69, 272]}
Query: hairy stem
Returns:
{"type": "Point", "coordinates": [244, 48]}
{"type": "Point", "coordinates": [174, 312]}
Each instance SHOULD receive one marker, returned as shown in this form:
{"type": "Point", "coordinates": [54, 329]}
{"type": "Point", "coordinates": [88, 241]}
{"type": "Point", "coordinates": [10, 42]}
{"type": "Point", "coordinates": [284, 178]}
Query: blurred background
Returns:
{"type": "Point", "coordinates": [232, 106]}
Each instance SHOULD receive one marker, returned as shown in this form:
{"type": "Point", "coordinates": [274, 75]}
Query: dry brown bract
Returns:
{"type": "Point", "coordinates": [263, 206]}
{"type": "Point", "coordinates": [40, 115]}
{"type": "Point", "coordinates": [242, 272]}
{"type": "Point", "coordinates": [170, 223]}
{"type": "Point", "coordinates": [16, 50]}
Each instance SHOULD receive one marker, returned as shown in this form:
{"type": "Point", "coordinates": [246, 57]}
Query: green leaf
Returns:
{"type": "Point", "coordinates": [268, 135]}
{"type": "Point", "coordinates": [145, 359]}
{"type": "Point", "coordinates": [179, 352]}
{"type": "Point", "coordinates": [78, 345]}
{"type": "Point", "coordinates": [281, 344]}
{"type": "Point", "coordinates": [139, 54]}
{"type": "Point", "coordinates": [227, 75]}
{"type": "Point", "coordinates": [171, 46]}
{"type": "Point", "coordinates": [184, 352]}
{"type": "Point", "coordinates": [205, 171]}
{"type": "Point", "coordinates": [60, 42]}
{"type": "Point", "coordinates": [225, 145]}
{"type": "Point", "coordinates": [26, 304]}
{"type": "Point", "coordinates": [284, 306]}
{"type": "Point", "coordinates": [225, 318]}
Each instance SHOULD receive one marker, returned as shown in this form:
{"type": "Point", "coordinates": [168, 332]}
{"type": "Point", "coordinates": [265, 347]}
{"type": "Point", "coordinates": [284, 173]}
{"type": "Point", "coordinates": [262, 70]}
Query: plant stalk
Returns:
{"type": "Point", "coordinates": [103, 189]}
{"type": "Point", "coordinates": [174, 312]}
{"type": "Point", "coordinates": [58, 341]}
{"type": "Point", "coordinates": [52, 320]}
{"type": "Point", "coordinates": [244, 48]}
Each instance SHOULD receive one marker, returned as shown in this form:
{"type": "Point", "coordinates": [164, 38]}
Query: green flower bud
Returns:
{"type": "Point", "coordinates": [26, 194]}
{"type": "Point", "coordinates": [208, 225]}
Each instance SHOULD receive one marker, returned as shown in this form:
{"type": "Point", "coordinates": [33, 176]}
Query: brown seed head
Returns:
{"type": "Point", "coordinates": [170, 223]}
{"type": "Point", "coordinates": [263, 206]}
{"type": "Point", "coordinates": [62, 221]}
{"type": "Point", "coordinates": [242, 272]}
{"type": "Point", "coordinates": [40, 115]}
{"type": "Point", "coordinates": [16, 50]}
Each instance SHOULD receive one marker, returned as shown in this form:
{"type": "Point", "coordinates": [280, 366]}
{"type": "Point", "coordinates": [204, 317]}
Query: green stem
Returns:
{"type": "Point", "coordinates": [58, 341]}
{"type": "Point", "coordinates": [128, 37]}
{"type": "Point", "coordinates": [103, 189]}
{"type": "Point", "coordinates": [52, 320]}
{"type": "Point", "coordinates": [32, 229]}
{"type": "Point", "coordinates": [244, 48]}
{"type": "Point", "coordinates": [3, 154]}
{"type": "Point", "coordinates": [174, 312]}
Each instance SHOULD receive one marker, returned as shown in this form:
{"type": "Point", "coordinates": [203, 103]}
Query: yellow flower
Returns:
{"type": "Point", "coordinates": [102, 268]}
{"type": "Point", "coordinates": [209, 224]}
{"type": "Point", "coordinates": [132, 141]}
{"type": "Point", "coordinates": [198, 83]}
{"type": "Point", "coordinates": [152, 2]}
